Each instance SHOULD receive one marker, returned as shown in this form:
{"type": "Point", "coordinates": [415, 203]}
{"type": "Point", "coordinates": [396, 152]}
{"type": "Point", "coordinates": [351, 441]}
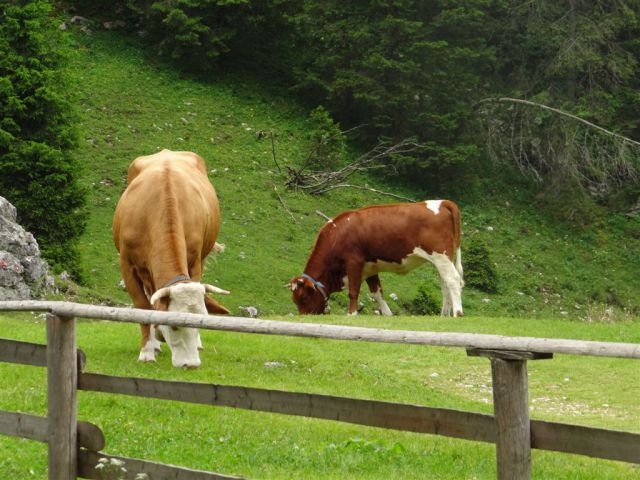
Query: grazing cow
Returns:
{"type": "Point", "coordinates": [357, 245]}
{"type": "Point", "coordinates": [164, 226]}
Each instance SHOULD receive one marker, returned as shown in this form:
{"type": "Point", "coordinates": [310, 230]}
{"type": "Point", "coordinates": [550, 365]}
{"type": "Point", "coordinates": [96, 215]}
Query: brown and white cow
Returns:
{"type": "Point", "coordinates": [165, 224]}
{"type": "Point", "coordinates": [357, 245]}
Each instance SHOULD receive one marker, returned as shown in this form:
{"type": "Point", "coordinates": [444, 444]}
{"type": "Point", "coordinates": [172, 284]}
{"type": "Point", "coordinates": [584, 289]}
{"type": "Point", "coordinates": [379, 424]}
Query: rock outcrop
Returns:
{"type": "Point", "coordinates": [23, 272]}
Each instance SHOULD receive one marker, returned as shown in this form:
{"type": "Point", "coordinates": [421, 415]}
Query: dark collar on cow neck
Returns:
{"type": "Point", "coordinates": [176, 279]}
{"type": "Point", "coordinates": [318, 285]}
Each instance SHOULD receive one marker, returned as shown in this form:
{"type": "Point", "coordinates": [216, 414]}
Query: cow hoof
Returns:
{"type": "Point", "coordinates": [147, 357]}
{"type": "Point", "coordinates": [459, 313]}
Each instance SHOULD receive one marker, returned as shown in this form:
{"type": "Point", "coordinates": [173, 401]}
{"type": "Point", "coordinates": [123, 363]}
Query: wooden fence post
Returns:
{"type": "Point", "coordinates": [62, 378]}
{"type": "Point", "coordinates": [511, 410]}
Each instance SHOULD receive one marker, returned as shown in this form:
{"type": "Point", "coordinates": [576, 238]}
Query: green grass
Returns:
{"type": "Point", "coordinates": [597, 392]}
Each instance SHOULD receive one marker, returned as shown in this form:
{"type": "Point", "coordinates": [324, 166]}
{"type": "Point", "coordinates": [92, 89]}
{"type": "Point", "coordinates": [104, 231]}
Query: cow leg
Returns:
{"type": "Point", "coordinates": [375, 287]}
{"type": "Point", "coordinates": [446, 299]}
{"type": "Point", "coordinates": [354, 275]}
{"type": "Point", "coordinates": [453, 283]}
{"type": "Point", "coordinates": [451, 279]}
{"type": "Point", "coordinates": [138, 296]}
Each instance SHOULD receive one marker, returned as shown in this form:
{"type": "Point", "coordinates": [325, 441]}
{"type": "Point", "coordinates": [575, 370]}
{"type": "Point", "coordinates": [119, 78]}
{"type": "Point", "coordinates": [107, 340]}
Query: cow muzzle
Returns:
{"type": "Point", "coordinates": [183, 343]}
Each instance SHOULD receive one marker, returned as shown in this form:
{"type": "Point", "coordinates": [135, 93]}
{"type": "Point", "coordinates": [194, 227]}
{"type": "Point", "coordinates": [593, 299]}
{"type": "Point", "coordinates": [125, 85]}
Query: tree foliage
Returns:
{"type": "Point", "coordinates": [38, 174]}
{"type": "Point", "coordinates": [404, 68]}
{"type": "Point", "coordinates": [579, 57]}
{"type": "Point", "coordinates": [416, 70]}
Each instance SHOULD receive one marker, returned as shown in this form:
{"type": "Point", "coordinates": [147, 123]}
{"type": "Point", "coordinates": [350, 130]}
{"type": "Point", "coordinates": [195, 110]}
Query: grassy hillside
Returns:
{"type": "Point", "coordinates": [129, 107]}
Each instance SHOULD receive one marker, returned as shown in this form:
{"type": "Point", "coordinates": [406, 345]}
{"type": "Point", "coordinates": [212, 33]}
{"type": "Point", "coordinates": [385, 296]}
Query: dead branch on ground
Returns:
{"type": "Point", "coordinates": [320, 182]}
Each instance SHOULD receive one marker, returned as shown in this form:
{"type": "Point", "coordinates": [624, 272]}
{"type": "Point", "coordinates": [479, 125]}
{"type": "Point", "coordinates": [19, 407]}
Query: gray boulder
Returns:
{"type": "Point", "coordinates": [23, 272]}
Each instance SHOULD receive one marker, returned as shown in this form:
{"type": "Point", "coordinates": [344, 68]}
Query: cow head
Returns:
{"type": "Point", "coordinates": [188, 297]}
{"type": "Point", "coordinates": [309, 296]}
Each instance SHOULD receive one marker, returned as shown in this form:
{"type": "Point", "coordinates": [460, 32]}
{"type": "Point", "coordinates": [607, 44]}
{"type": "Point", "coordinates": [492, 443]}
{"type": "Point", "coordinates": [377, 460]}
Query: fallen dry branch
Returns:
{"type": "Point", "coordinates": [347, 185]}
{"type": "Point", "coordinates": [284, 205]}
{"type": "Point", "coordinates": [323, 181]}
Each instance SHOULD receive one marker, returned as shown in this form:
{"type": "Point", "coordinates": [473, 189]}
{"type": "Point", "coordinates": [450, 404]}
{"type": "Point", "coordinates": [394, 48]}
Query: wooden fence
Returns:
{"type": "Point", "coordinates": [74, 448]}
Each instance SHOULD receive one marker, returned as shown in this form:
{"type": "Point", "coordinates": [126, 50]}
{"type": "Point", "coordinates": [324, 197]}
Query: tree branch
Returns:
{"type": "Point", "coordinates": [559, 112]}
{"type": "Point", "coordinates": [346, 185]}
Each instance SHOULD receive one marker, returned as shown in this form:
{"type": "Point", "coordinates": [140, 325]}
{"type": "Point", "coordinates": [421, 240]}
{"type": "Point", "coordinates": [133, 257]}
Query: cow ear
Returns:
{"type": "Point", "coordinates": [214, 307]}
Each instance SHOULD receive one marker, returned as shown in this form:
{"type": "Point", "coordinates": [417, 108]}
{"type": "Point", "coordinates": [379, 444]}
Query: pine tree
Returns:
{"type": "Point", "coordinates": [37, 171]}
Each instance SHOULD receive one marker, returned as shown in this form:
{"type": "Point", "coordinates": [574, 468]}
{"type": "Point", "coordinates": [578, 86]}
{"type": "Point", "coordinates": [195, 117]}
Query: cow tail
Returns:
{"type": "Point", "coordinates": [457, 232]}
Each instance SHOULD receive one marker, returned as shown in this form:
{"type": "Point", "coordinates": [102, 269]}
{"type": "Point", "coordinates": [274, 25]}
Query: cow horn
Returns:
{"type": "Point", "coordinates": [214, 289]}
{"type": "Point", "coordinates": [163, 292]}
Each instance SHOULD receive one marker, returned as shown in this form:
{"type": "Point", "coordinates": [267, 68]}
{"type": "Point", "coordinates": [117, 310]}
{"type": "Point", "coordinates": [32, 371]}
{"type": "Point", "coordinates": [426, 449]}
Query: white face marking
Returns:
{"type": "Point", "coordinates": [183, 342]}
{"type": "Point", "coordinates": [434, 205]}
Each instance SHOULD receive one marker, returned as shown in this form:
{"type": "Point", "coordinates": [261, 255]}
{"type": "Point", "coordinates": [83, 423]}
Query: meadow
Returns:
{"type": "Point", "coordinates": [580, 390]}
{"type": "Point", "coordinates": [554, 282]}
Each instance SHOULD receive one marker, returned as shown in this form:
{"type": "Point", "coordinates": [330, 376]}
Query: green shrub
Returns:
{"type": "Point", "coordinates": [479, 269]}
{"type": "Point", "coordinates": [426, 302]}
{"type": "Point", "coordinates": [329, 142]}
{"type": "Point", "coordinates": [39, 175]}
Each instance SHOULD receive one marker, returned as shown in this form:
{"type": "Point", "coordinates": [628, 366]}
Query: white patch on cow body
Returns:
{"type": "Point", "coordinates": [408, 263]}
{"type": "Point", "coordinates": [384, 308]}
{"type": "Point", "coordinates": [450, 276]}
{"type": "Point", "coordinates": [434, 205]}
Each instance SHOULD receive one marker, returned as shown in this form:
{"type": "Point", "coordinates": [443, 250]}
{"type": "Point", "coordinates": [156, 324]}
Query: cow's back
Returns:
{"type": "Point", "coordinates": [390, 232]}
{"type": "Point", "coordinates": [168, 195]}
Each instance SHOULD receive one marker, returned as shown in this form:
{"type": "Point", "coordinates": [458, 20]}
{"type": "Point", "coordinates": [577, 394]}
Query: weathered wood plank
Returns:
{"type": "Point", "coordinates": [511, 410]}
{"type": "Point", "coordinates": [507, 354]}
{"type": "Point", "coordinates": [87, 462]}
{"type": "Point", "coordinates": [34, 354]}
{"type": "Point", "coordinates": [90, 436]}
{"type": "Point", "coordinates": [34, 427]}
{"type": "Point", "coordinates": [62, 375]}
{"type": "Point", "coordinates": [23, 425]}
{"type": "Point", "coordinates": [592, 442]}
{"type": "Point", "coordinates": [25, 353]}
{"type": "Point", "coordinates": [412, 418]}
{"type": "Point", "coordinates": [270, 327]}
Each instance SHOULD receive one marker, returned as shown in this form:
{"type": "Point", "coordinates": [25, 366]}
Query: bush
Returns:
{"type": "Point", "coordinates": [425, 302]}
{"type": "Point", "coordinates": [39, 176]}
{"type": "Point", "coordinates": [479, 269]}
{"type": "Point", "coordinates": [329, 143]}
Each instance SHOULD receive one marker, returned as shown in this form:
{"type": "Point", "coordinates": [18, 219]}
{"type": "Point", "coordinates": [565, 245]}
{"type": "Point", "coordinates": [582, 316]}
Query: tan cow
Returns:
{"type": "Point", "coordinates": [358, 244]}
{"type": "Point", "coordinates": [164, 226]}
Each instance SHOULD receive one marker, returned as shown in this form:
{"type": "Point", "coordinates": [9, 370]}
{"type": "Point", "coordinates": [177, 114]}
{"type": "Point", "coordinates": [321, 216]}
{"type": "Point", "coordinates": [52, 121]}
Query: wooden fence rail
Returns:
{"type": "Point", "coordinates": [74, 447]}
{"type": "Point", "coordinates": [336, 332]}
